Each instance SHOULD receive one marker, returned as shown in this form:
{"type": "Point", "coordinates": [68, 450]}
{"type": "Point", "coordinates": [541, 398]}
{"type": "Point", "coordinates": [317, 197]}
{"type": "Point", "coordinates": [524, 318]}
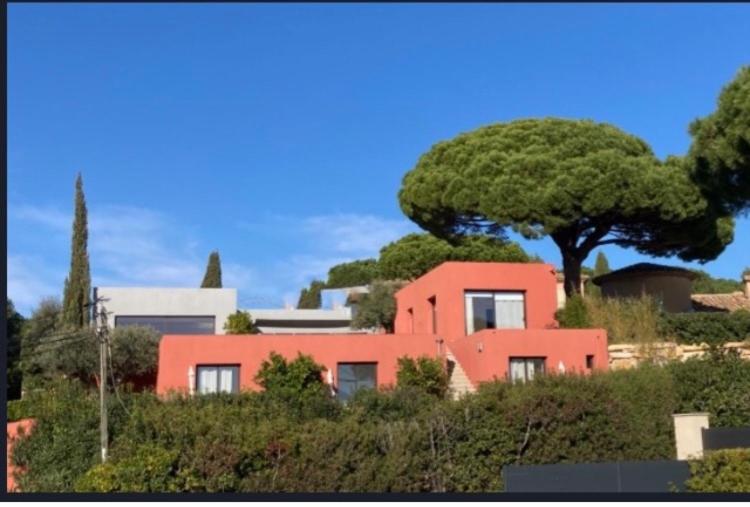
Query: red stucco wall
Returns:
{"type": "Point", "coordinates": [12, 432]}
{"type": "Point", "coordinates": [450, 280]}
{"type": "Point", "coordinates": [485, 355]}
{"type": "Point", "coordinates": [178, 353]}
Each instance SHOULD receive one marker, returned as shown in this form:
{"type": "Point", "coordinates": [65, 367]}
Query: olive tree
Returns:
{"type": "Point", "coordinates": [583, 184]}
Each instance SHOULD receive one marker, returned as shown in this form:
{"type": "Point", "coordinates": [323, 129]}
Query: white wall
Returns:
{"type": "Point", "coordinates": [143, 301]}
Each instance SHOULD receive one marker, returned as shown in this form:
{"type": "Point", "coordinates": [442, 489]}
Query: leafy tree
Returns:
{"type": "Point", "coordinates": [377, 309]}
{"type": "Point", "coordinates": [309, 299]}
{"type": "Point", "coordinates": [720, 151]}
{"type": "Point", "coordinates": [240, 322]}
{"type": "Point", "coordinates": [425, 373]}
{"type": "Point", "coordinates": [583, 184]}
{"type": "Point", "coordinates": [78, 282]}
{"type": "Point", "coordinates": [212, 278]}
{"type": "Point", "coordinates": [352, 274]}
{"type": "Point", "coordinates": [706, 284]}
{"type": "Point", "coordinates": [14, 323]}
{"type": "Point", "coordinates": [601, 267]}
{"type": "Point", "coordinates": [135, 355]}
{"type": "Point", "coordinates": [415, 254]}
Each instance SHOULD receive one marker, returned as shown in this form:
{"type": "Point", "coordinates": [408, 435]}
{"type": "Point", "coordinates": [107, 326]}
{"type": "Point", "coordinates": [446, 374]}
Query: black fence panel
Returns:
{"type": "Point", "coordinates": [725, 438]}
{"type": "Point", "coordinates": [615, 477]}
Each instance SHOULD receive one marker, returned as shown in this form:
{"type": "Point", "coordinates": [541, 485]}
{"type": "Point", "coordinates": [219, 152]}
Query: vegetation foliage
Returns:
{"type": "Point", "coordinates": [212, 278]}
{"type": "Point", "coordinates": [240, 322]}
{"type": "Point", "coordinates": [76, 298]}
{"type": "Point", "coordinates": [377, 309]}
{"type": "Point", "coordinates": [399, 439]}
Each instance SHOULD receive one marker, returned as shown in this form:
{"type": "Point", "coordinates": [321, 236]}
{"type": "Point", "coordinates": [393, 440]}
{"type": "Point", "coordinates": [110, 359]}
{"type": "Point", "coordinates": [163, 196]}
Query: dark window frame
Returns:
{"type": "Point", "coordinates": [526, 360]}
{"type": "Point", "coordinates": [235, 379]}
{"type": "Point", "coordinates": [118, 322]}
{"type": "Point", "coordinates": [355, 363]}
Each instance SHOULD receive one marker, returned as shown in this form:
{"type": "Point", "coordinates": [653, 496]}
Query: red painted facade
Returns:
{"type": "Point", "coordinates": [430, 321]}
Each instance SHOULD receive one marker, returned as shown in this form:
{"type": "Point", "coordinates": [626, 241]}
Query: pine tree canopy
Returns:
{"type": "Point", "coordinates": [582, 183]}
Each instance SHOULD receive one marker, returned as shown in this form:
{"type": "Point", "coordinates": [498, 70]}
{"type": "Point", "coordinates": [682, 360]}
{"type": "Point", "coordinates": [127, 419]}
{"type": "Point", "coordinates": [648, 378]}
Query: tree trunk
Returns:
{"type": "Point", "coordinates": [572, 272]}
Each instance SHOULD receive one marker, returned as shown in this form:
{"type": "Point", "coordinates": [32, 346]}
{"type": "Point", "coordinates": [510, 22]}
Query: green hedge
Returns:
{"type": "Point", "coordinates": [713, 328]}
{"type": "Point", "coordinates": [19, 409]}
{"type": "Point", "coordinates": [401, 439]}
{"type": "Point", "coordinates": [726, 471]}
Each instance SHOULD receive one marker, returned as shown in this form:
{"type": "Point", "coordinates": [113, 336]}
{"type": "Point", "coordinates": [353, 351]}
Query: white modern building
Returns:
{"type": "Point", "coordinates": [168, 310]}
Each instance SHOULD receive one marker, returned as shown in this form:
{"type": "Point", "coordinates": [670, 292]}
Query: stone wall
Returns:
{"type": "Point", "coordinates": [628, 355]}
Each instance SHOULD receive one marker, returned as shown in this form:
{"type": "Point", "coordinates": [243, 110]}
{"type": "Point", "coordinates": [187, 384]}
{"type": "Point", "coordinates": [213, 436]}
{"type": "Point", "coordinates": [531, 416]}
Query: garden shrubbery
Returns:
{"type": "Point", "coordinates": [725, 471]}
{"type": "Point", "coordinates": [399, 439]}
{"type": "Point", "coordinates": [713, 328]}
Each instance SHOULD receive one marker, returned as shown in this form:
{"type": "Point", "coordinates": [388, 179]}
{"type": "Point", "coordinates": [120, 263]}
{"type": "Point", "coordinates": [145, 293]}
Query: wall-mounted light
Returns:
{"type": "Point", "coordinates": [480, 347]}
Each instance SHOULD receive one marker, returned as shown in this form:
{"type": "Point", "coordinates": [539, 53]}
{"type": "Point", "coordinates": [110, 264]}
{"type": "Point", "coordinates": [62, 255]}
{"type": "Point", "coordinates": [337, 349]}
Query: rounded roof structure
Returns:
{"type": "Point", "coordinates": [643, 268]}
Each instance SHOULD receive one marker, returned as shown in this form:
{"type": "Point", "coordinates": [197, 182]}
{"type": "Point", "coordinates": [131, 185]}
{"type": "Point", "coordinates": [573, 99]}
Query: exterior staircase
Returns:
{"type": "Point", "coordinates": [459, 382]}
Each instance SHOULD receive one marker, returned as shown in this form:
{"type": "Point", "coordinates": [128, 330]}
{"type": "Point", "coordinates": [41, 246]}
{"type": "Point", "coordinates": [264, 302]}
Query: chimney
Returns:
{"type": "Point", "coordinates": [746, 282]}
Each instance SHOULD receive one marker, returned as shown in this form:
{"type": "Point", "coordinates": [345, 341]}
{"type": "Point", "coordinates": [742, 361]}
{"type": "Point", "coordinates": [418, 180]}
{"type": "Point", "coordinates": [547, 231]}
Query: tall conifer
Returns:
{"type": "Point", "coordinates": [78, 281]}
{"type": "Point", "coordinates": [212, 278]}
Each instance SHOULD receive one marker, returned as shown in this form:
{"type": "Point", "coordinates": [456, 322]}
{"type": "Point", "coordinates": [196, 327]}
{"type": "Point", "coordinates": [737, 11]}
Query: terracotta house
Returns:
{"type": "Point", "coordinates": [485, 320]}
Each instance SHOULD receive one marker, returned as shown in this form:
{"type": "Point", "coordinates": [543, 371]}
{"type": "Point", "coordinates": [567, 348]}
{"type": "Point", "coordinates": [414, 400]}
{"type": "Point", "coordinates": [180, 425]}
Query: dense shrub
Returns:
{"type": "Point", "coordinates": [574, 315]}
{"type": "Point", "coordinates": [713, 328]}
{"type": "Point", "coordinates": [628, 320]}
{"type": "Point", "coordinates": [718, 384]}
{"type": "Point", "coordinates": [726, 471]}
{"type": "Point", "coordinates": [19, 409]}
{"type": "Point", "coordinates": [399, 439]}
{"type": "Point", "coordinates": [240, 322]}
{"type": "Point", "coordinates": [424, 373]}
{"type": "Point", "coordinates": [64, 443]}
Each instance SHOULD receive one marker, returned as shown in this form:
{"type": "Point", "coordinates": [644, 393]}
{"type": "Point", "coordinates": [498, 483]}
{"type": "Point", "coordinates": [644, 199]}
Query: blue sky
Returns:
{"type": "Point", "coordinates": [279, 134]}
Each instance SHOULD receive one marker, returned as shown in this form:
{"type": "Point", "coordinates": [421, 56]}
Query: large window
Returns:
{"type": "Point", "coordinates": [523, 369]}
{"type": "Point", "coordinates": [355, 376]}
{"type": "Point", "coordinates": [170, 324]}
{"type": "Point", "coordinates": [494, 310]}
{"type": "Point", "coordinates": [217, 379]}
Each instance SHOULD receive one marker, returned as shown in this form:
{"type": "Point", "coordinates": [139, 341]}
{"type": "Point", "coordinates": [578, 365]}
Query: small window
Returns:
{"type": "Point", "coordinates": [355, 376]}
{"type": "Point", "coordinates": [171, 324]}
{"type": "Point", "coordinates": [523, 369]}
{"type": "Point", "coordinates": [410, 312]}
{"type": "Point", "coordinates": [589, 361]}
{"type": "Point", "coordinates": [212, 379]}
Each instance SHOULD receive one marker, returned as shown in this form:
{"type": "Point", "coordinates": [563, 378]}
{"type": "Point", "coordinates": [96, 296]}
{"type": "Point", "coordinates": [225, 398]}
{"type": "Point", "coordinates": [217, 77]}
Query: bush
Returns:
{"type": "Point", "coordinates": [64, 443]}
{"type": "Point", "coordinates": [240, 323]}
{"type": "Point", "coordinates": [19, 409]}
{"type": "Point", "coordinates": [377, 309]}
{"type": "Point", "coordinates": [630, 320]}
{"type": "Point", "coordinates": [707, 327]}
{"type": "Point", "coordinates": [726, 471]}
{"type": "Point", "coordinates": [718, 384]}
{"type": "Point", "coordinates": [135, 355]}
{"type": "Point", "coordinates": [574, 315]}
{"type": "Point", "coordinates": [400, 439]}
{"type": "Point", "coordinates": [424, 373]}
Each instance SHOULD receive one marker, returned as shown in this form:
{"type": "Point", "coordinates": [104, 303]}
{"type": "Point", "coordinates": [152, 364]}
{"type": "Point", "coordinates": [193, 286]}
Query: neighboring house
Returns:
{"type": "Point", "coordinates": [485, 320]}
{"type": "Point", "coordinates": [733, 301]}
{"type": "Point", "coordinates": [670, 286]}
{"type": "Point", "coordinates": [168, 310]}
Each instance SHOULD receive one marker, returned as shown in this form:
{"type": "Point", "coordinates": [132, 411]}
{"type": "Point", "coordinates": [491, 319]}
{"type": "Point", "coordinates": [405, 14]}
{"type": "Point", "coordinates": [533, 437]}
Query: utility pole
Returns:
{"type": "Point", "coordinates": [102, 335]}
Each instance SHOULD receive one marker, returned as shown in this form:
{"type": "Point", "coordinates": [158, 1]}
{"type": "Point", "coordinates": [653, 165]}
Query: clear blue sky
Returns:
{"type": "Point", "coordinates": [279, 134]}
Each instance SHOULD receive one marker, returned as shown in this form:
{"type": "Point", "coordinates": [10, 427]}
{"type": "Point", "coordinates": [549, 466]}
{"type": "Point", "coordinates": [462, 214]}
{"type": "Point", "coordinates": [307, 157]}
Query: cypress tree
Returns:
{"type": "Point", "coordinates": [602, 265]}
{"type": "Point", "coordinates": [78, 281]}
{"type": "Point", "coordinates": [310, 299]}
{"type": "Point", "coordinates": [212, 278]}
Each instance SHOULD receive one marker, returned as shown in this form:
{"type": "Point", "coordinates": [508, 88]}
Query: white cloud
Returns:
{"type": "Point", "coordinates": [356, 234]}
{"type": "Point", "coordinates": [130, 246]}
{"type": "Point", "coordinates": [30, 280]}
